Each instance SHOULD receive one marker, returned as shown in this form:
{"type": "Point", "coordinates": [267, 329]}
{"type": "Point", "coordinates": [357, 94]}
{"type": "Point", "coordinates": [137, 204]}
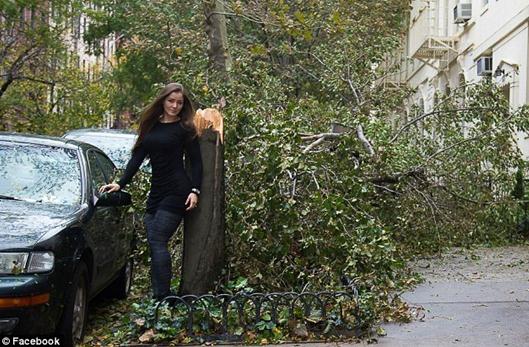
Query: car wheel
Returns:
{"type": "Point", "coordinates": [73, 320]}
{"type": "Point", "coordinates": [120, 288]}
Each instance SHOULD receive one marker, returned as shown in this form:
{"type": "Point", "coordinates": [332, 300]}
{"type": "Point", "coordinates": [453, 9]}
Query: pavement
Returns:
{"type": "Point", "coordinates": [469, 298]}
{"type": "Point", "coordinates": [474, 298]}
{"type": "Point", "coordinates": [462, 314]}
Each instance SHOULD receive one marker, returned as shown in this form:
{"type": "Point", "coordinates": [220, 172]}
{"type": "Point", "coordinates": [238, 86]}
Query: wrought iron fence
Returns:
{"type": "Point", "coordinates": [227, 317]}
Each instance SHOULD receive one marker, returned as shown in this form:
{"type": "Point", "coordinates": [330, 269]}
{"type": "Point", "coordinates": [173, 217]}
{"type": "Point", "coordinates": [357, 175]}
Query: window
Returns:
{"type": "Point", "coordinates": [109, 170]}
{"type": "Point", "coordinates": [99, 177]}
{"type": "Point", "coordinates": [40, 174]}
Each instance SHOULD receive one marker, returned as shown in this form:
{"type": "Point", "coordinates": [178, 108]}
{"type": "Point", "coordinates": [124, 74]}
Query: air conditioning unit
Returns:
{"type": "Point", "coordinates": [484, 65]}
{"type": "Point", "coordinates": [462, 12]}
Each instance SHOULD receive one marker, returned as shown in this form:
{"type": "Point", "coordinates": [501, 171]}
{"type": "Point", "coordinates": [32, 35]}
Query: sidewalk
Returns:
{"type": "Point", "coordinates": [469, 300]}
{"type": "Point", "coordinates": [478, 299]}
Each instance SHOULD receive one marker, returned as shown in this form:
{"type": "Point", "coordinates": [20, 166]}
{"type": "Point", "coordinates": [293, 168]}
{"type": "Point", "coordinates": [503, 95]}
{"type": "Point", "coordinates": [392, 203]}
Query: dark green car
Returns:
{"type": "Point", "coordinates": [61, 243]}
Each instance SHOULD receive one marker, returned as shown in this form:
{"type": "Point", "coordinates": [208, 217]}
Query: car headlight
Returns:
{"type": "Point", "coordinates": [26, 262]}
{"type": "Point", "coordinates": [40, 262]}
{"type": "Point", "coordinates": [13, 263]}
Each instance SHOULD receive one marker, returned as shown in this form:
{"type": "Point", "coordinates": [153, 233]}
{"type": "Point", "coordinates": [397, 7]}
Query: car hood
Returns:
{"type": "Point", "coordinates": [23, 223]}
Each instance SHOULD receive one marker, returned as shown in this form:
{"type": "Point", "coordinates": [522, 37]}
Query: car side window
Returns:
{"type": "Point", "coordinates": [109, 170]}
{"type": "Point", "coordinates": [98, 177]}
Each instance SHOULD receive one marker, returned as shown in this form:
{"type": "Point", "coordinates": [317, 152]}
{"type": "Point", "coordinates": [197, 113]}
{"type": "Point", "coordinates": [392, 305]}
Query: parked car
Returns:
{"type": "Point", "coordinates": [61, 242]}
{"type": "Point", "coordinates": [116, 143]}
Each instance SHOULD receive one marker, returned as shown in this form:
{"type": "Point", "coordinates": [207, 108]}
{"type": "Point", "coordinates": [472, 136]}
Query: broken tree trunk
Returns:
{"type": "Point", "coordinates": [203, 256]}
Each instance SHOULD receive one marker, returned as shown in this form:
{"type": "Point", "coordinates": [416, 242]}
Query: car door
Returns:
{"type": "Point", "coordinates": [121, 230]}
{"type": "Point", "coordinates": [101, 226]}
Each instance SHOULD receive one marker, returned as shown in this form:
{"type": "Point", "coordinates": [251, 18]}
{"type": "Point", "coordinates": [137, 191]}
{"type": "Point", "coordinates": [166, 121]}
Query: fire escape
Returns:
{"type": "Point", "coordinates": [428, 38]}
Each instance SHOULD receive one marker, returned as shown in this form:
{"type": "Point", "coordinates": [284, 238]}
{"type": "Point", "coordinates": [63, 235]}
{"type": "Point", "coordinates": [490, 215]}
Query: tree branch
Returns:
{"type": "Point", "coordinates": [318, 136]}
{"type": "Point", "coordinates": [421, 117]}
{"type": "Point", "coordinates": [33, 79]}
{"type": "Point", "coordinates": [387, 189]}
{"type": "Point", "coordinates": [460, 197]}
{"type": "Point", "coordinates": [431, 204]}
{"type": "Point", "coordinates": [314, 144]}
{"type": "Point", "coordinates": [238, 15]}
{"type": "Point", "coordinates": [6, 85]}
{"type": "Point", "coordinates": [367, 145]}
{"type": "Point", "coordinates": [396, 177]}
{"type": "Point", "coordinates": [477, 137]}
{"type": "Point", "coordinates": [11, 74]}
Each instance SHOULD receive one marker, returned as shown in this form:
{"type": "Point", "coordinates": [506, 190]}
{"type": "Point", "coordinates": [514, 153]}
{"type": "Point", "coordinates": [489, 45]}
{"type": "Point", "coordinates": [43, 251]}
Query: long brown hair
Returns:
{"type": "Point", "coordinates": [151, 114]}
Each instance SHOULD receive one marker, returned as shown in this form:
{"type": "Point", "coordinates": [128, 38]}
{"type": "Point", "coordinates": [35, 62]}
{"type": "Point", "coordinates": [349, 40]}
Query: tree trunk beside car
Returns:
{"type": "Point", "coordinates": [203, 255]}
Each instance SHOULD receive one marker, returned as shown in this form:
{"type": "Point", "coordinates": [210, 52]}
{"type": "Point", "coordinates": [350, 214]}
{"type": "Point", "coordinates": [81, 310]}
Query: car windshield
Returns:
{"type": "Point", "coordinates": [39, 174]}
{"type": "Point", "coordinates": [117, 146]}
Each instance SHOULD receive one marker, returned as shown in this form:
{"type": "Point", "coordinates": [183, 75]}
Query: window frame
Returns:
{"type": "Point", "coordinates": [99, 165]}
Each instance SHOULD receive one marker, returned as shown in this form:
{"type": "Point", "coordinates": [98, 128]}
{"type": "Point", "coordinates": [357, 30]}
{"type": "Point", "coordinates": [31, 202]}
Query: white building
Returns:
{"type": "Point", "coordinates": [92, 64]}
{"type": "Point", "coordinates": [91, 60]}
{"type": "Point", "coordinates": [453, 42]}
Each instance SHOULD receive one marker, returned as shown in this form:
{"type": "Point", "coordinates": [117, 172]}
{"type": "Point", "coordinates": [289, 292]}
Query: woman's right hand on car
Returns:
{"type": "Point", "coordinates": [109, 188]}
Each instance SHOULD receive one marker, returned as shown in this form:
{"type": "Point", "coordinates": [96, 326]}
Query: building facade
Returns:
{"type": "Point", "coordinates": [92, 60]}
{"type": "Point", "coordinates": [450, 43]}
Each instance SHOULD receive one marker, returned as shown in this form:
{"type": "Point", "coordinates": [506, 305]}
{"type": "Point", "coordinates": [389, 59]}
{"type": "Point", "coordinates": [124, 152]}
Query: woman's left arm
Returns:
{"type": "Point", "coordinates": [193, 151]}
{"type": "Point", "coordinates": [195, 157]}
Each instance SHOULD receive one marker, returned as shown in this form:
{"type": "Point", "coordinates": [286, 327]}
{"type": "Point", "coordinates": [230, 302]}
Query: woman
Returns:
{"type": "Point", "coordinates": [166, 131]}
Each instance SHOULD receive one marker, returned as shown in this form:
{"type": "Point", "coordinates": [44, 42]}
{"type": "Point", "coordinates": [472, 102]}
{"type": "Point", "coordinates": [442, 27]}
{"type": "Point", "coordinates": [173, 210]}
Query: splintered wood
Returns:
{"type": "Point", "coordinates": [209, 118]}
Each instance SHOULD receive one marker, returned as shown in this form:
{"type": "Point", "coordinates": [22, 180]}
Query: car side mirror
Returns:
{"type": "Point", "coordinates": [119, 198]}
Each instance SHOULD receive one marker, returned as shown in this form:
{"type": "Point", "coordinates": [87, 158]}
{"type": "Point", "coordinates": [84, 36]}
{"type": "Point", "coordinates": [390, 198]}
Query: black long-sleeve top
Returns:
{"type": "Point", "coordinates": [165, 145]}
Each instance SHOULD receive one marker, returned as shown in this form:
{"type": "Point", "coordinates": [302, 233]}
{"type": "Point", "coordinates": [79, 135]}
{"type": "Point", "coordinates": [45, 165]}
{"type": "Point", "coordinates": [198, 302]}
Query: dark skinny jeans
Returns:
{"type": "Point", "coordinates": [160, 227]}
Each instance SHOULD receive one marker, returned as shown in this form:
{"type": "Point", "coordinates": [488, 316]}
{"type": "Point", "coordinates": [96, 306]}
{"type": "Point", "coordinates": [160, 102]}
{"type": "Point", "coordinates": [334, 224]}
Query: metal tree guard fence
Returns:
{"type": "Point", "coordinates": [226, 317]}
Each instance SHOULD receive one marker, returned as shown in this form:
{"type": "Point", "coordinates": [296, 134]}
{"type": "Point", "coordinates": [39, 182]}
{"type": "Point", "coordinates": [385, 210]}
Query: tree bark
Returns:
{"type": "Point", "coordinates": [218, 37]}
{"type": "Point", "coordinates": [204, 250]}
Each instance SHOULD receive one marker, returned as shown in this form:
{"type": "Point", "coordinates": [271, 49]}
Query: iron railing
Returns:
{"type": "Point", "coordinates": [226, 317]}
